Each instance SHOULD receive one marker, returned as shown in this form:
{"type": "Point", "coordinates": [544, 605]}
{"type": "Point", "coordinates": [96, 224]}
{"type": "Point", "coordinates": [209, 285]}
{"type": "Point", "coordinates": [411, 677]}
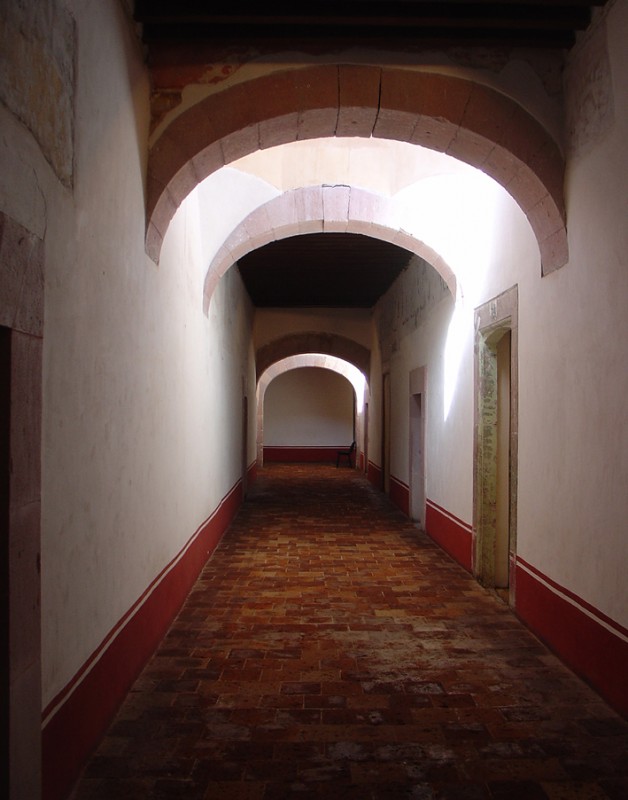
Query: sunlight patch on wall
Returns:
{"type": "Point", "coordinates": [458, 334]}
{"type": "Point", "coordinates": [457, 216]}
{"type": "Point", "coordinates": [381, 165]}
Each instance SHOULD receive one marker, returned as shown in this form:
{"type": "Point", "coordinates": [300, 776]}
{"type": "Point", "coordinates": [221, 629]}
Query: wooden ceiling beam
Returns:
{"type": "Point", "coordinates": [544, 23]}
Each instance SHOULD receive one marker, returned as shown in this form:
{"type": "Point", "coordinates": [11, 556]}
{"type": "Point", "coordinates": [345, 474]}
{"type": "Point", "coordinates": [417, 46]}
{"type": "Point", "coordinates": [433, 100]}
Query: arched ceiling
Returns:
{"type": "Point", "coordinates": [333, 270]}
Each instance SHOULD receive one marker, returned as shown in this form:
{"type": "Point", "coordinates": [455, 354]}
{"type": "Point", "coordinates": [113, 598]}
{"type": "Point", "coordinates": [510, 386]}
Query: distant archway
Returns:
{"type": "Point", "coordinates": [467, 120]}
{"type": "Point", "coordinates": [348, 370]}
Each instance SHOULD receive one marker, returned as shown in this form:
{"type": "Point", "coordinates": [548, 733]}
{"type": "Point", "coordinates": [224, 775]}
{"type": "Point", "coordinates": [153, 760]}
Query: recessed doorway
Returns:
{"type": "Point", "coordinates": [495, 478]}
{"type": "Point", "coordinates": [417, 446]}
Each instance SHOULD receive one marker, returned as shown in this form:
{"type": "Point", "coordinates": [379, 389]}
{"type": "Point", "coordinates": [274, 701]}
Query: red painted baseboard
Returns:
{"type": "Point", "coordinates": [309, 455]}
{"type": "Point", "coordinates": [592, 644]}
{"type": "Point", "coordinates": [451, 533]}
{"type": "Point", "coordinates": [251, 473]}
{"type": "Point", "coordinates": [400, 495]}
{"type": "Point", "coordinates": [76, 719]}
{"type": "Point", "coordinates": [374, 475]}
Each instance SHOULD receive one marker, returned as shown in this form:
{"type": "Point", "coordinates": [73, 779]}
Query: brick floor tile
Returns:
{"type": "Point", "coordinates": [571, 790]}
{"type": "Point", "coordinates": [235, 790]}
{"type": "Point", "coordinates": [330, 650]}
{"type": "Point", "coordinates": [517, 790]}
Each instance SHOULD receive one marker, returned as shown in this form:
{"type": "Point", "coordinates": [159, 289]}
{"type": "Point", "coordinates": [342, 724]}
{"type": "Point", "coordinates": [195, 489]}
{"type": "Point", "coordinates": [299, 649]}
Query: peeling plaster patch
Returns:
{"type": "Point", "coordinates": [161, 103]}
{"type": "Point", "coordinates": [493, 59]}
{"type": "Point", "coordinates": [590, 111]}
{"type": "Point", "coordinates": [217, 73]}
{"type": "Point", "coordinates": [548, 66]}
{"type": "Point", "coordinates": [37, 56]}
{"type": "Point", "coordinates": [536, 77]}
{"type": "Point", "coordinates": [166, 98]}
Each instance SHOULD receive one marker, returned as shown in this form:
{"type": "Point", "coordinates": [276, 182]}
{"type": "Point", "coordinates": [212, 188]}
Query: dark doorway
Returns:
{"type": "Point", "coordinates": [5, 416]}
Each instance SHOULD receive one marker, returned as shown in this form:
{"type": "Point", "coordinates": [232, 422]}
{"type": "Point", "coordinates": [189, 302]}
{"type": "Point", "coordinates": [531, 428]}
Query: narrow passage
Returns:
{"type": "Point", "coordinates": [331, 650]}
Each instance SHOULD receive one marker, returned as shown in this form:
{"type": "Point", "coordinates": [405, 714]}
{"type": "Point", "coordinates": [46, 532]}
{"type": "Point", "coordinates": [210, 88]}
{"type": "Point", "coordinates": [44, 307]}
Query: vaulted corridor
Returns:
{"type": "Point", "coordinates": [255, 236]}
{"type": "Point", "coordinates": [331, 649]}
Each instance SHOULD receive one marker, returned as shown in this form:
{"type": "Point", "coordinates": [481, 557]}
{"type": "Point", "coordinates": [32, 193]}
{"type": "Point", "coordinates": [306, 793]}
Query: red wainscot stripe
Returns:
{"type": "Point", "coordinates": [77, 718]}
{"type": "Point", "coordinates": [592, 644]}
{"type": "Point", "coordinates": [251, 473]}
{"type": "Point", "coordinates": [451, 533]}
{"type": "Point", "coordinates": [400, 494]}
{"type": "Point", "coordinates": [308, 455]}
{"type": "Point", "coordinates": [374, 475]}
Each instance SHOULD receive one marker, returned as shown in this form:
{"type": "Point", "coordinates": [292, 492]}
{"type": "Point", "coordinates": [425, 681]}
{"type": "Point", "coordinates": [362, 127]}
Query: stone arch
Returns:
{"type": "Point", "coordinates": [467, 120]}
{"type": "Point", "coordinates": [330, 344]}
{"type": "Point", "coordinates": [313, 209]}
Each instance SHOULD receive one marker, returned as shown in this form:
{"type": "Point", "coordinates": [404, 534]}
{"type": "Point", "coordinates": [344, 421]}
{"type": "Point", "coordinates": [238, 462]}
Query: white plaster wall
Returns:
{"type": "Point", "coordinates": [489, 242]}
{"type": "Point", "coordinates": [142, 392]}
{"type": "Point", "coordinates": [308, 407]}
{"type": "Point", "coordinates": [573, 423]}
{"type": "Point", "coordinates": [449, 431]}
{"type": "Point", "coordinates": [573, 351]}
{"type": "Point", "coordinates": [274, 323]}
{"type": "Point", "coordinates": [384, 166]}
{"type": "Point", "coordinates": [374, 421]}
{"type": "Point", "coordinates": [97, 278]}
{"type": "Point", "coordinates": [227, 197]}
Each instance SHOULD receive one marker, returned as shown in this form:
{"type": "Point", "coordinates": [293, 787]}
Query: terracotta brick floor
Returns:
{"type": "Point", "coordinates": [331, 650]}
